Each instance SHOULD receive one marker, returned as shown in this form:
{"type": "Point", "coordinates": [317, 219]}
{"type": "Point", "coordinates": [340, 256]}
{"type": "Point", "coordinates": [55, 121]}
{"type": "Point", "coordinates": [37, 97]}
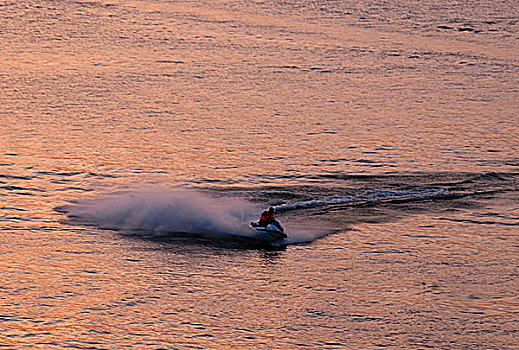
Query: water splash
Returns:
{"type": "Point", "coordinates": [160, 211]}
{"type": "Point", "coordinates": [166, 212]}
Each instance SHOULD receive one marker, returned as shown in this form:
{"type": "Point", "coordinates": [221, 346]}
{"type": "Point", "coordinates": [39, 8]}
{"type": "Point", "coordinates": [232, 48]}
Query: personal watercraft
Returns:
{"type": "Point", "coordinates": [271, 233]}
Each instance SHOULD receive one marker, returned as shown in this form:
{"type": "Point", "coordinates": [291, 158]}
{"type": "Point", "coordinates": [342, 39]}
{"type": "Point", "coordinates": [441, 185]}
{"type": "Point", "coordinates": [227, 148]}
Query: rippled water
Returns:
{"type": "Point", "coordinates": [139, 138]}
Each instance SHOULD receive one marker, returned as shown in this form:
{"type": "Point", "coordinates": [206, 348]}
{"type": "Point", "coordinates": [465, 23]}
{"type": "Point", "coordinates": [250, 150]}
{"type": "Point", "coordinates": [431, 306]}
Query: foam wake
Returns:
{"type": "Point", "coordinates": [378, 196]}
{"type": "Point", "coordinates": [168, 211]}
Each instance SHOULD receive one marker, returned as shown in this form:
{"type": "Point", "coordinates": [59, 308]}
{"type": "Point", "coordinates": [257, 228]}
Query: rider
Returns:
{"type": "Point", "coordinates": [267, 218]}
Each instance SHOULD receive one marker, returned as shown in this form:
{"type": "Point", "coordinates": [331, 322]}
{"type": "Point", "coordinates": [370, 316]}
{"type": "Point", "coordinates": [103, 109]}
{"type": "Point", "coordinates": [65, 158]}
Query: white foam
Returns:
{"type": "Point", "coordinates": [368, 197]}
{"type": "Point", "coordinates": [166, 211]}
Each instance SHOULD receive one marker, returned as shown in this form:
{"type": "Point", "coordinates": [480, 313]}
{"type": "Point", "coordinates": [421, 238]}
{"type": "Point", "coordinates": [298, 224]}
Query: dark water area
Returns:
{"type": "Point", "coordinates": [140, 138]}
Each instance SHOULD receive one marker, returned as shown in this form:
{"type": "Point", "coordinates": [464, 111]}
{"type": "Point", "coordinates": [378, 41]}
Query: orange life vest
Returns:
{"type": "Point", "coordinates": [266, 217]}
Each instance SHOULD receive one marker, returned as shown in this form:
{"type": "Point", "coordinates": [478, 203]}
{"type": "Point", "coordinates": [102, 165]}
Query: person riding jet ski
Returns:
{"type": "Point", "coordinates": [267, 218]}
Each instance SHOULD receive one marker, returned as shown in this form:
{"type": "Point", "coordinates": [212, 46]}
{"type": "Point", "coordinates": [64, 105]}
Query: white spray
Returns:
{"type": "Point", "coordinates": [160, 211]}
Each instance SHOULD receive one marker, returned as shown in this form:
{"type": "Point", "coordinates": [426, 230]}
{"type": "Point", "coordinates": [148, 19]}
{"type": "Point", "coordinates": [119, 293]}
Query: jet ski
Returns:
{"type": "Point", "coordinates": [271, 233]}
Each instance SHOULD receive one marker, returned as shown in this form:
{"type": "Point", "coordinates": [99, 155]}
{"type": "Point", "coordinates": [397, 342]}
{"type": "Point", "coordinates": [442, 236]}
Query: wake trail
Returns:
{"type": "Point", "coordinates": [169, 212]}
{"type": "Point", "coordinates": [377, 196]}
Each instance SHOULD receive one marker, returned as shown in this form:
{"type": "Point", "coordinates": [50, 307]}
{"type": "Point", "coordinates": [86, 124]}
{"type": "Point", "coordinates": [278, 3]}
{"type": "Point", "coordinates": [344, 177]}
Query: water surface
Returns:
{"type": "Point", "coordinates": [385, 134]}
